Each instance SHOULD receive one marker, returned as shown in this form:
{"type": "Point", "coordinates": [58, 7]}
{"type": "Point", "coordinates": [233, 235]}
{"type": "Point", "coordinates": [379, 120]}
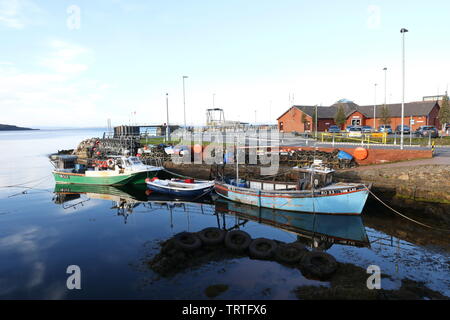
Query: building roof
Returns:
{"type": "Point", "coordinates": [322, 112]}
{"type": "Point", "coordinates": [419, 108]}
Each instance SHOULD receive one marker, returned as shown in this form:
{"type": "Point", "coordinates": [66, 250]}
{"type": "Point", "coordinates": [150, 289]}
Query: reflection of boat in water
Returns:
{"type": "Point", "coordinates": [323, 230]}
{"type": "Point", "coordinates": [101, 192]}
{"type": "Point", "coordinates": [125, 198]}
{"type": "Point", "coordinates": [162, 198]}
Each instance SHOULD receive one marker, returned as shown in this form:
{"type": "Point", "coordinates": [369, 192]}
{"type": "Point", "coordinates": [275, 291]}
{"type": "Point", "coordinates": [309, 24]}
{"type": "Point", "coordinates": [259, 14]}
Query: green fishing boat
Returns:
{"type": "Point", "coordinates": [114, 171]}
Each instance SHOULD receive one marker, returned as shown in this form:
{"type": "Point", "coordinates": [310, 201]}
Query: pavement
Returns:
{"type": "Point", "coordinates": [437, 160]}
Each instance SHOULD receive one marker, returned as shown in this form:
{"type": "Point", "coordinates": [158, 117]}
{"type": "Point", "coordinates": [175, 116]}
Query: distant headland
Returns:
{"type": "Point", "coordinates": [7, 127]}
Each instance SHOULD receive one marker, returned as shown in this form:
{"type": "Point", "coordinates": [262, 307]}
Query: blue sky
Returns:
{"type": "Point", "coordinates": [124, 55]}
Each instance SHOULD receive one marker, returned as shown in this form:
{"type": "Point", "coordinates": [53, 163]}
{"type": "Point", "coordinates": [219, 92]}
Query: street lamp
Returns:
{"type": "Point", "coordinates": [184, 103]}
{"type": "Point", "coordinates": [403, 31]}
{"type": "Point", "coordinates": [167, 121]}
{"type": "Point", "coordinates": [374, 108]}
{"type": "Point", "coordinates": [385, 71]}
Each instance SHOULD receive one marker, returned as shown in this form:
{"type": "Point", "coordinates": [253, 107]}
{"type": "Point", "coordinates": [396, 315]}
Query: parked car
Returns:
{"type": "Point", "coordinates": [406, 129]}
{"type": "Point", "coordinates": [348, 128]}
{"type": "Point", "coordinates": [426, 131]}
{"type": "Point", "coordinates": [385, 128]}
{"type": "Point", "coordinates": [355, 131]}
{"type": "Point", "coordinates": [334, 129]}
{"type": "Point", "coordinates": [367, 129]}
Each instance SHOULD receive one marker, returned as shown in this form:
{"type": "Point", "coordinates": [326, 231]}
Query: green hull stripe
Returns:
{"type": "Point", "coordinates": [135, 178]}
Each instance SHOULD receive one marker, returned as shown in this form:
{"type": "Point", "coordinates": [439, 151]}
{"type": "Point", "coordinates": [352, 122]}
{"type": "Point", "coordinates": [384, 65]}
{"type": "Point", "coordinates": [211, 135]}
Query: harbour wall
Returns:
{"type": "Point", "coordinates": [377, 156]}
{"type": "Point", "coordinates": [426, 183]}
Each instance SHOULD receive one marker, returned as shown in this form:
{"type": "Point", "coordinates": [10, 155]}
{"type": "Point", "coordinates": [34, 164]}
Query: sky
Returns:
{"type": "Point", "coordinates": [78, 63]}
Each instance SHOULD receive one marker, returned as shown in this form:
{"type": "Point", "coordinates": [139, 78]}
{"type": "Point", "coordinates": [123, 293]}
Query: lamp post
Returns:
{"type": "Point", "coordinates": [403, 31]}
{"type": "Point", "coordinates": [316, 120]}
{"type": "Point", "coordinates": [167, 120]}
{"type": "Point", "coordinates": [184, 103]}
{"type": "Point", "coordinates": [374, 108]}
{"type": "Point", "coordinates": [385, 77]}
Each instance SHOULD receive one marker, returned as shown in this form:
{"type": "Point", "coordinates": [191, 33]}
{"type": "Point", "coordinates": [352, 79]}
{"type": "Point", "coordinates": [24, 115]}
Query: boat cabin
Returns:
{"type": "Point", "coordinates": [70, 163]}
{"type": "Point", "coordinates": [314, 177]}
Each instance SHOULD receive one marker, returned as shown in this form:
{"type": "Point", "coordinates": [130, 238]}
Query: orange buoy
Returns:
{"type": "Point", "coordinates": [360, 153]}
{"type": "Point", "coordinates": [198, 148]}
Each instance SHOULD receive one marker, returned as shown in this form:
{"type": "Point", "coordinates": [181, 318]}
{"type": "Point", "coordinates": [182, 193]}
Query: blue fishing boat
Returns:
{"type": "Point", "coordinates": [314, 192]}
{"type": "Point", "coordinates": [180, 188]}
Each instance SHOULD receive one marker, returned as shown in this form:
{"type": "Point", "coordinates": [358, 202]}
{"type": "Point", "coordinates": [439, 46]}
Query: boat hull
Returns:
{"type": "Point", "coordinates": [179, 193]}
{"type": "Point", "coordinates": [341, 201]}
{"type": "Point", "coordinates": [106, 179]}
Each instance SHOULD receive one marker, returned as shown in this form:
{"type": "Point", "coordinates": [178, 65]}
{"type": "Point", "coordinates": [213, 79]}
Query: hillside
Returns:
{"type": "Point", "coordinates": [7, 127]}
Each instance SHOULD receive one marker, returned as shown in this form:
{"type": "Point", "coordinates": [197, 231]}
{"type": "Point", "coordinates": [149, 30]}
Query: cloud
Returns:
{"type": "Point", "coordinates": [60, 90]}
{"type": "Point", "coordinates": [65, 57]}
{"type": "Point", "coordinates": [17, 14]}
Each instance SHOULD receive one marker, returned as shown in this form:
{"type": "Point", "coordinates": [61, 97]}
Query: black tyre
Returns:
{"type": "Point", "coordinates": [187, 241]}
{"type": "Point", "coordinates": [212, 236]}
{"type": "Point", "coordinates": [237, 240]}
{"type": "Point", "coordinates": [318, 265]}
{"type": "Point", "coordinates": [262, 248]}
{"type": "Point", "coordinates": [290, 253]}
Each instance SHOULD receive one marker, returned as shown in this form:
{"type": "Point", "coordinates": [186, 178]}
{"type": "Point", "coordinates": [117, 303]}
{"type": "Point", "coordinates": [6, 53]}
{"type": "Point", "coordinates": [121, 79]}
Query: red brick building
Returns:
{"type": "Point", "coordinates": [299, 118]}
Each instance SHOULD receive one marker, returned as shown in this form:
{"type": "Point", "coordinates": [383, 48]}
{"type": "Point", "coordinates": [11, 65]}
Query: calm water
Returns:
{"type": "Point", "coordinates": [43, 232]}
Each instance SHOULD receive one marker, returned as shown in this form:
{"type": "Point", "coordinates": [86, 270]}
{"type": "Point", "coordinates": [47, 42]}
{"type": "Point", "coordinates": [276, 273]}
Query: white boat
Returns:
{"type": "Point", "coordinates": [180, 188]}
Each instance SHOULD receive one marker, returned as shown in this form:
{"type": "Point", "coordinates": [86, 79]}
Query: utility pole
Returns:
{"type": "Point", "coordinates": [167, 123]}
{"type": "Point", "coordinates": [403, 31]}
{"type": "Point", "coordinates": [316, 120]}
{"type": "Point", "coordinates": [374, 108]}
{"type": "Point", "coordinates": [184, 103]}
{"type": "Point", "coordinates": [385, 81]}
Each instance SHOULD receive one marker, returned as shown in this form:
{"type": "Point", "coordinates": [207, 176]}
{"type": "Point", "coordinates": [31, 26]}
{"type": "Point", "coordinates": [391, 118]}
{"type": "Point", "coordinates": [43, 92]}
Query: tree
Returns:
{"type": "Point", "coordinates": [339, 117]}
{"type": "Point", "coordinates": [385, 115]}
{"type": "Point", "coordinates": [444, 112]}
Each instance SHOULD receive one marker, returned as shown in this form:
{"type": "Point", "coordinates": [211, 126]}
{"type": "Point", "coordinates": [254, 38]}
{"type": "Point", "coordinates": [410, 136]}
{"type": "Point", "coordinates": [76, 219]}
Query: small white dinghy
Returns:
{"type": "Point", "coordinates": [179, 187]}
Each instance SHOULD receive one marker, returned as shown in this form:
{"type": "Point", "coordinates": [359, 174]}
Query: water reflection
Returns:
{"type": "Point", "coordinates": [124, 199]}
{"type": "Point", "coordinates": [318, 231]}
{"type": "Point", "coordinates": [321, 231]}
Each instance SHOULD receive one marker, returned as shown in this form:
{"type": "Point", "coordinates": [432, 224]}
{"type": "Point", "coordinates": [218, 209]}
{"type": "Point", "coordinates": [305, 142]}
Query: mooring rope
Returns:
{"type": "Point", "coordinates": [402, 215]}
{"type": "Point", "coordinates": [176, 174]}
{"type": "Point", "coordinates": [22, 185]}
